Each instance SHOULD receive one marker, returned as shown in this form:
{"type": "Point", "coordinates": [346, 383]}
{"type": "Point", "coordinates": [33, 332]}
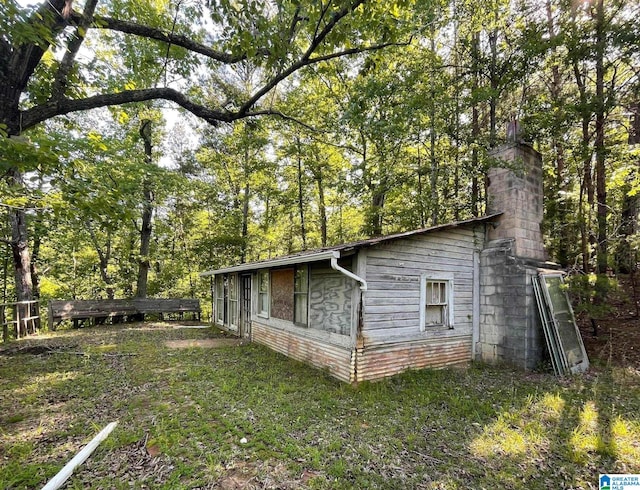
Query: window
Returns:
{"type": "Point", "coordinates": [219, 292]}
{"type": "Point", "coordinates": [263, 293]}
{"type": "Point", "coordinates": [233, 300]}
{"type": "Point", "coordinates": [301, 295]}
{"type": "Point", "coordinates": [437, 302]}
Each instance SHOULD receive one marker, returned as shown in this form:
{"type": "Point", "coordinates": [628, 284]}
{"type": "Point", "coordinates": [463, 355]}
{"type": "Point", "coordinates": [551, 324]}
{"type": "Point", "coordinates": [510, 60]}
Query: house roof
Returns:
{"type": "Point", "coordinates": [338, 250]}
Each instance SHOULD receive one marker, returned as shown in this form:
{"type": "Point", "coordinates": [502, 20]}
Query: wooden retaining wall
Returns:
{"type": "Point", "coordinates": [338, 361]}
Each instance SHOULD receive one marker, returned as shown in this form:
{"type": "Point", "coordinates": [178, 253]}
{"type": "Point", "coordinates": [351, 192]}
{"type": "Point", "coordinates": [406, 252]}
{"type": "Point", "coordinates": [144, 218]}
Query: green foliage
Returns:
{"type": "Point", "coordinates": [476, 428]}
{"type": "Point", "coordinates": [587, 291]}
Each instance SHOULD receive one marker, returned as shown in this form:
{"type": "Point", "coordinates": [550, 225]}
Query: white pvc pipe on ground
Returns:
{"type": "Point", "coordinates": [62, 476]}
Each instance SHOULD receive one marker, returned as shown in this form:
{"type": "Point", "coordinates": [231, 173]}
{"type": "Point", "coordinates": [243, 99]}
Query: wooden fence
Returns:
{"type": "Point", "coordinates": [24, 316]}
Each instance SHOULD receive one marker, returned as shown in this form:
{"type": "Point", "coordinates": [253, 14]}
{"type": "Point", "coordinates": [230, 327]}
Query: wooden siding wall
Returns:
{"type": "Point", "coordinates": [330, 301]}
{"type": "Point", "coordinates": [338, 361]}
{"type": "Point", "coordinates": [393, 270]}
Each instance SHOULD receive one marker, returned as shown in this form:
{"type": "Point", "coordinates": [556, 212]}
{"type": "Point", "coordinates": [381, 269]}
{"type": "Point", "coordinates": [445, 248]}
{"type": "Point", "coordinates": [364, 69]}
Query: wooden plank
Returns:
{"type": "Point", "coordinates": [432, 242]}
{"type": "Point", "coordinates": [419, 266]}
{"type": "Point", "coordinates": [407, 254]}
{"type": "Point", "coordinates": [377, 294]}
{"type": "Point", "coordinates": [77, 309]}
{"type": "Point", "coordinates": [380, 337]}
{"type": "Point", "coordinates": [413, 299]}
{"type": "Point", "coordinates": [386, 308]}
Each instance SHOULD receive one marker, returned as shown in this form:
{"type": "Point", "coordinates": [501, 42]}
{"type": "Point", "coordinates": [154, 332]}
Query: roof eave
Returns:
{"type": "Point", "coordinates": [283, 261]}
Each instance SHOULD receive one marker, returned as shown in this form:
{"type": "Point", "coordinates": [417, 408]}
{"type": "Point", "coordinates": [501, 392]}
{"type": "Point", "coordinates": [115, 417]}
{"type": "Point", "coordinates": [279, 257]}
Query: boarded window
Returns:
{"type": "Point", "coordinates": [282, 289]}
{"type": "Point", "coordinates": [301, 295]}
{"type": "Point", "coordinates": [263, 293]}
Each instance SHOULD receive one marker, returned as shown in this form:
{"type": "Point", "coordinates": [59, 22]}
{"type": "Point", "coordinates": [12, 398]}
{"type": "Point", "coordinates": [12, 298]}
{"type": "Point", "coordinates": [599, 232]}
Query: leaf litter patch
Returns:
{"type": "Point", "coordinates": [136, 463]}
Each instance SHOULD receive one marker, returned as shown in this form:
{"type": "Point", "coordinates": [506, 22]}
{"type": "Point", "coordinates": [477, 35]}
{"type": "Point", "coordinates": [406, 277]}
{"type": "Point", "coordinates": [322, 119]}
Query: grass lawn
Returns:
{"type": "Point", "coordinates": [236, 417]}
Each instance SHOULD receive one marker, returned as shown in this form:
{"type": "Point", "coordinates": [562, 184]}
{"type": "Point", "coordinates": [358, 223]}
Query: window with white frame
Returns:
{"type": "Point", "coordinates": [301, 295]}
{"type": "Point", "coordinates": [219, 293]}
{"type": "Point", "coordinates": [263, 293]}
{"type": "Point", "coordinates": [437, 302]}
{"type": "Point", "coordinates": [233, 300]}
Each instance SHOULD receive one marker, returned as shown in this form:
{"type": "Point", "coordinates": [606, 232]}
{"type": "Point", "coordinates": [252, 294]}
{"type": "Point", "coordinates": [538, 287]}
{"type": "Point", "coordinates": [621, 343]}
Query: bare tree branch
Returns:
{"type": "Point", "coordinates": [347, 52]}
{"type": "Point", "coordinates": [38, 114]}
{"type": "Point", "coordinates": [168, 52]}
{"type": "Point", "coordinates": [304, 60]}
{"type": "Point", "coordinates": [49, 15]}
{"type": "Point", "coordinates": [62, 76]}
{"type": "Point", "coordinates": [128, 27]}
{"type": "Point", "coordinates": [286, 117]}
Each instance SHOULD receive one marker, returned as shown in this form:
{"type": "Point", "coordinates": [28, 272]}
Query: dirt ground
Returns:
{"type": "Point", "coordinates": [618, 338]}
{"type": "Point", "coordinates": [210, 343]}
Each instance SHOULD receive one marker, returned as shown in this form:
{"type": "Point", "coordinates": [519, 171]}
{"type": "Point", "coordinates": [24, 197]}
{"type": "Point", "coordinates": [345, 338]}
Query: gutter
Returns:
{"type": "Point", "coordinates": [342, 270]}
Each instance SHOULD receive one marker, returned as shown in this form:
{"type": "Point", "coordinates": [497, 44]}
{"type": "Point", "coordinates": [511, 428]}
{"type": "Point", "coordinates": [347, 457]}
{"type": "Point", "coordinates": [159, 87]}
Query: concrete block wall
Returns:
{"type": "Point", "coordinates": [510, 329]}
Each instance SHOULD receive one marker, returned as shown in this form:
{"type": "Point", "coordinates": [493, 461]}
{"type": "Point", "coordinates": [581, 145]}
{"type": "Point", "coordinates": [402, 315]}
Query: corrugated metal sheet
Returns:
{"type": "Point", "coordinates": [338, 361]}
{"type": "Point", "coordinates": [376, 362]}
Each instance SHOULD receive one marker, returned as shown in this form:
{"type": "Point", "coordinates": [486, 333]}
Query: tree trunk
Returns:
{"type": "Point", "coordinates": [433, 181]}
{"type": "Point", "coordinates": [565, 235]}
{"type": "Point", "coordinates": [493, 80]}
{"type": "Point", "coordinates": [5, 274]}
{"type": "Point", "coordinates": [104, 256]}
{"type": "Point", "coordinates": [245, 219]}
{"type": "Point", "coordinates": [420, 190]}
{"type": "Point", "coordinates": [475, 127]}
{"type": "Point", "coordinates": [303, 231]}
{"type": "Point", "coordinates": [322, 208]}
{"type": "Point", "coordinates": [456, 128]}
{"type": "Point", "coordinates": [147, 215]}
{"type": "Point", "coordinates": [377, 204]}
{"type": "Point", "coordinates": [600, 150]}
{"type": "Point", "coordinates": [20, 244]}
{"type": "Point", "coordinates": [587, 180]}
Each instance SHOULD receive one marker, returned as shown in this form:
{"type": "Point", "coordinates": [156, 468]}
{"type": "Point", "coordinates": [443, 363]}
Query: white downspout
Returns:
{"type": "Point", "coordinates": [336, 267]}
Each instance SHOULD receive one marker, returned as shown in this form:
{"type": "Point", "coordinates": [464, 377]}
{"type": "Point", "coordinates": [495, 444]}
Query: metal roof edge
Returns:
{"type": "Point", "coordinates": [277, 262]}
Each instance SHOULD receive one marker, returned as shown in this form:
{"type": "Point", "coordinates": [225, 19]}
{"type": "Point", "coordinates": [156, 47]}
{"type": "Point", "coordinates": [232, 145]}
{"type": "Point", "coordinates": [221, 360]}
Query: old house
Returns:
{"type": "Point", "coordinates": [431, 297]}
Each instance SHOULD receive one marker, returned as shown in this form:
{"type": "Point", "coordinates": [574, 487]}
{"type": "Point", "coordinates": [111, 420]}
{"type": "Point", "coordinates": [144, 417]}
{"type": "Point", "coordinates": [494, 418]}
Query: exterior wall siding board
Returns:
{"type": "Point", "coordinates": [406, 334]}
{"type": "Point", "coordinates": [382, 361]}
{"type": "Point", "coordinates": [336, 360]}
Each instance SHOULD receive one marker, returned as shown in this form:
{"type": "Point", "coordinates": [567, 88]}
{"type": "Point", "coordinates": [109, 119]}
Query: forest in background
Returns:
{"type": "Point", "coordinates": [387, 126]}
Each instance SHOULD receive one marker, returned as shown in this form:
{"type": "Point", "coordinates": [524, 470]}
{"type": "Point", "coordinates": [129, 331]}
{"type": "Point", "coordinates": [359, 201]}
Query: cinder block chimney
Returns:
{"type": "Point", "coordinates": [510, 329]}
{"type": "Point", "coordinates": [515, 189]}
